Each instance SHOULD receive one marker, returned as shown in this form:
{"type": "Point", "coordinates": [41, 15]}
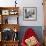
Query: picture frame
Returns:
{"type": "Point", "coordinates": [5, 12]}
{"type": "Point", "coordinates": [29, 13]}
{"type": "Point", "coordinates": [13, 12]}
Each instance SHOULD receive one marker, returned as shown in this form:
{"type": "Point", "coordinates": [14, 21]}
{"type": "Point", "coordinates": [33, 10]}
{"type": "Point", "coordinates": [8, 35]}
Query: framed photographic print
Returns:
{"type": "Point", "coordinates": [30, 13]}
{"type": "Point", "coordinates": [5, 12]}
{"type": "Point", "coordinates": [13, 12]}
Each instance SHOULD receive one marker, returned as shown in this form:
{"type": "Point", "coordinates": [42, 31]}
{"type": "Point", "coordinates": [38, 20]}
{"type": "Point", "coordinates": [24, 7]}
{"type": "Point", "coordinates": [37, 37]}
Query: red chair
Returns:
{"type": "Point", "coordinates": [29, 33]}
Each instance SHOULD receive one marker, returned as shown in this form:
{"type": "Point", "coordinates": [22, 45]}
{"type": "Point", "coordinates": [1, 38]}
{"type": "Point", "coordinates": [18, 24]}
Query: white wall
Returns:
{"type": "Point", "coordinates": [32, 3]}
{"type": "Point", "coordinates": [26, 3]}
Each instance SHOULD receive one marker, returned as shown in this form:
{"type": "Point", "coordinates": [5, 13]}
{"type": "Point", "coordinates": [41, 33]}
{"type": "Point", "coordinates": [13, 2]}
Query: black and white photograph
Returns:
{"type": "Point", "coordinates": [30, 13]}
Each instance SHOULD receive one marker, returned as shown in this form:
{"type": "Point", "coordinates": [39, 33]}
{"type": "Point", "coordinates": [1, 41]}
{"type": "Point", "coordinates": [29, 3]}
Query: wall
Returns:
{"type": "Point", "coordinates": [27, 3]}
{"type": "Point", "coordinates": [38, 5]}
